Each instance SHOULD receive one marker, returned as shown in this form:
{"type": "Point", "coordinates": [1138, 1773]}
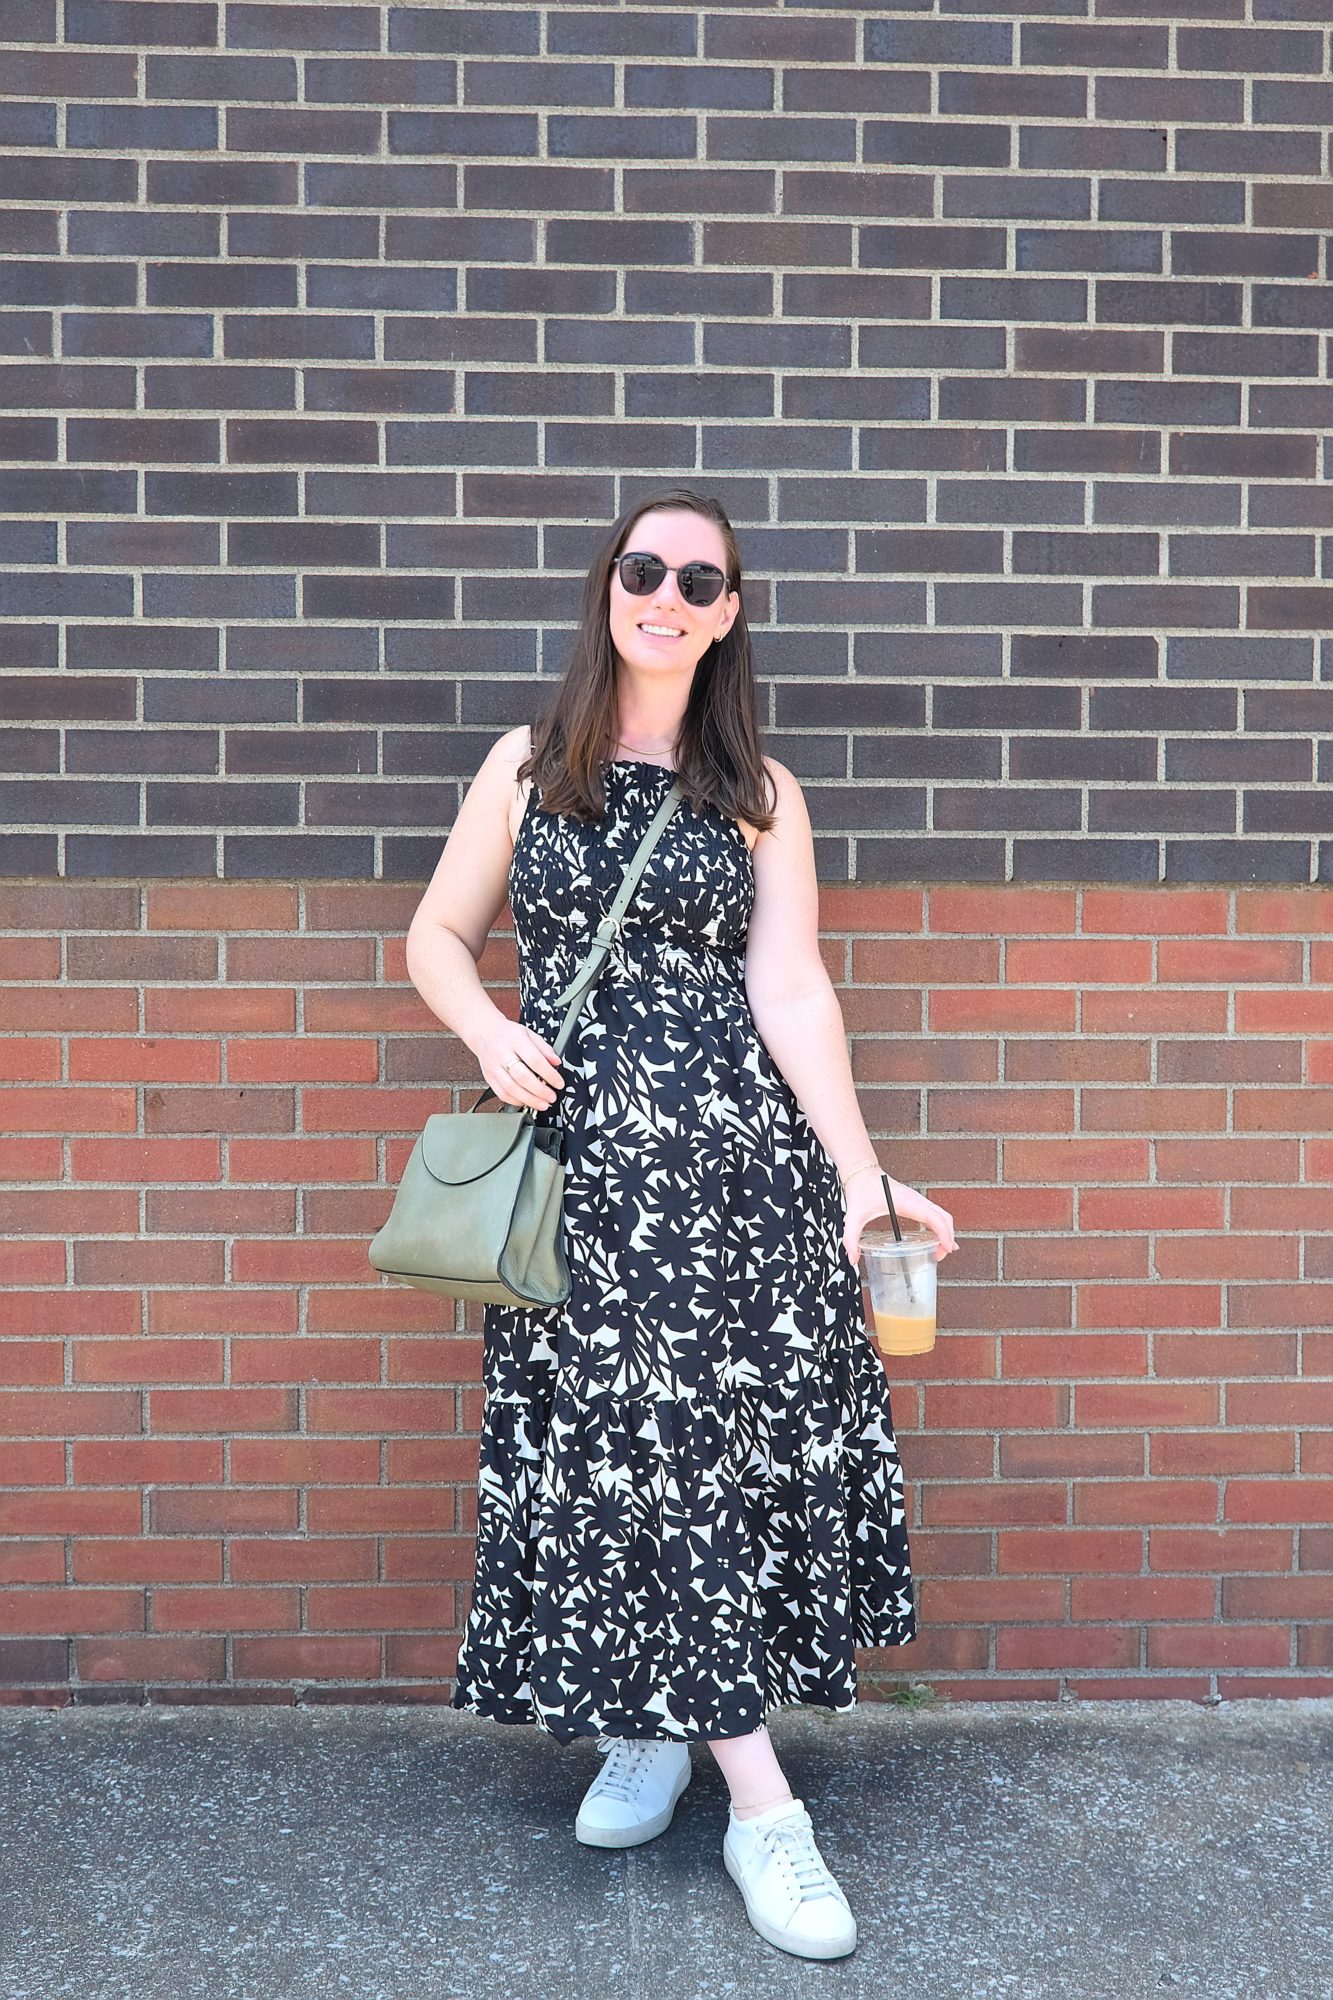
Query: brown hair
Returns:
{"type": "Point", "coordinates": [718, 757]}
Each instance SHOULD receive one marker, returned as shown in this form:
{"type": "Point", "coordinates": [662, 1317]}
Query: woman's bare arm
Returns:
{"type": "Point", "coordinates": [791, 995]}
{"type": "Point", "coordinates": [453, 920]}
{"type": "Point", "coordinates": [464, 897]}
{"type": "Point", "coordinates": [800, 1022]}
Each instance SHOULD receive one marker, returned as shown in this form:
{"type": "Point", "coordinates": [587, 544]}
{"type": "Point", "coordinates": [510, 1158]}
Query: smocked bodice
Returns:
{"type": "Point", "coordinates": [688, 918]}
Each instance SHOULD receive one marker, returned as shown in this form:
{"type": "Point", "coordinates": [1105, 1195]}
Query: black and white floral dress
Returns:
{"type": "Point", "coordinates": [690, 1503]}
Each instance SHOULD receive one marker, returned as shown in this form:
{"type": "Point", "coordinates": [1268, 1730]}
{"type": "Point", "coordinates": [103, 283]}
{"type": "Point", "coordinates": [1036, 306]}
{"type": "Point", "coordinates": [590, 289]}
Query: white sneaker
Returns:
{"type": "Point", "coordinates": [634, 1794]}
{"type": "Point", "coordinates": [790, 1897]}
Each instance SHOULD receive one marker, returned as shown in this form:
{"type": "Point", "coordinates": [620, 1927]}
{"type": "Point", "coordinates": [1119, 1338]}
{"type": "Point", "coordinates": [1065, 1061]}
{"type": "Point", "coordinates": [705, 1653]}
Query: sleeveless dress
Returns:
{"type": "Point", "coordinates": [690, 1504]}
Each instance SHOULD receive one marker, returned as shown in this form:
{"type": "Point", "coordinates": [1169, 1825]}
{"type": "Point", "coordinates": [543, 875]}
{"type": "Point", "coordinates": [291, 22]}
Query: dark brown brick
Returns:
{"type": "Point", "coordinates": [1170, 100]}
{"type": "Point", "coordinates": [934, 43]}
{"type": "Point", "coordinates": [937, 143]}
{"type": "Point", "coordinates": [230, 79]}
{"type": "Point", "coordinates": [1061, 44]}
{"type": "Point", "coordinates": [161, 128]}
{"type": "Point", "coordinates": [566, 84]}
{"type": "Point", "coordinates": [279, 24]}
{"type": "Point", "coordinates": [155, 23]}
{"type": "Point", "coordinates": [465, 31]}
{"type": "Point", "coordinates": [67, 73]}
{"type": "Point", "coordinates": [1250, 51]}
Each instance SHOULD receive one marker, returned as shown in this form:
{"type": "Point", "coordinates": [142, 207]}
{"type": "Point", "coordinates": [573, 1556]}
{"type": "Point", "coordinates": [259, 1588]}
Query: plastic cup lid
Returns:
{"type": "Point", "coordinates": [916, 1238]}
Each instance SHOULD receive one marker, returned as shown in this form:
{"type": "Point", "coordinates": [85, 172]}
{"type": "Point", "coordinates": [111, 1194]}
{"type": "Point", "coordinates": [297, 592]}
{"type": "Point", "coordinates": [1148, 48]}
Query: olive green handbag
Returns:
{"type": "Point", "coordinates": [479, 1211]}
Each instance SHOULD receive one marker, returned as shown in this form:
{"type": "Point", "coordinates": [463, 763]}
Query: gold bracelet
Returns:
{"type": "Point", "coordinates": [844, 1178]}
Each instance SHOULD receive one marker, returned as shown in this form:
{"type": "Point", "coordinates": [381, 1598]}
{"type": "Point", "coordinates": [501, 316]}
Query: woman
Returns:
{"type": "Point", "coordinates": [690, 1508]}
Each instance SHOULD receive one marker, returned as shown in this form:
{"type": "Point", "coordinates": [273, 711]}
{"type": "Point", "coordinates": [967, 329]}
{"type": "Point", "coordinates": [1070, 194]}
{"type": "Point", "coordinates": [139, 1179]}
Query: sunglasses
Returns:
{"type": "Point", "coordinates": [698, 582]}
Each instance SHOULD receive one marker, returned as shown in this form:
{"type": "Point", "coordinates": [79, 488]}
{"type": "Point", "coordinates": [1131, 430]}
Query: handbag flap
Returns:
{"type": "Point", "coordinates": [459, 1146]}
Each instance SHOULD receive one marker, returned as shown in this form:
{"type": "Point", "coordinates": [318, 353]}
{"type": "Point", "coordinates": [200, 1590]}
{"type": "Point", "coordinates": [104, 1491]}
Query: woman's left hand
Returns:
{"type": "Point", "coordinates": [865, 1202]}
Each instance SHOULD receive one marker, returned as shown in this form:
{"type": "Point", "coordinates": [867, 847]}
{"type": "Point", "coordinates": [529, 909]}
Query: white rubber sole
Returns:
{"type": "Point", "coordinates": [633, 1836]}
{"type": "Point", "coordinates": [784, 1940]}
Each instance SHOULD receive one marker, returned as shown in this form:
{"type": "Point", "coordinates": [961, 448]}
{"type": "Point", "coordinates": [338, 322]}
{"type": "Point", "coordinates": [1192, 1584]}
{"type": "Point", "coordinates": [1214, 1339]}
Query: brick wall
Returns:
{"type": "Point", "coordinates": [329, 338]}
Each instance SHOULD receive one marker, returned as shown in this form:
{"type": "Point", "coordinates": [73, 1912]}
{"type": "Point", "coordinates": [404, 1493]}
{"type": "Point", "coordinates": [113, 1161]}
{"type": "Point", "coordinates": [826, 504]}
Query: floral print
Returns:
{"type": "Point", "coordinates": [690, 1503]}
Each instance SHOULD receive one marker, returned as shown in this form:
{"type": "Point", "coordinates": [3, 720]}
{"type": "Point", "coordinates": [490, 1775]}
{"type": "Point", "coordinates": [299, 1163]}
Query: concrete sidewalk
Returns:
{"type": "Point", "coordinates": [990, 1852]}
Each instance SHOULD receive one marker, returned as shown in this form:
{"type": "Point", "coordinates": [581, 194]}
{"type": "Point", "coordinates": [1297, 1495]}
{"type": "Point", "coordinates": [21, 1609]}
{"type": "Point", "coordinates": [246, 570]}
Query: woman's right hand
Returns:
{"type": "Point", "coordinates": [521, 1067]}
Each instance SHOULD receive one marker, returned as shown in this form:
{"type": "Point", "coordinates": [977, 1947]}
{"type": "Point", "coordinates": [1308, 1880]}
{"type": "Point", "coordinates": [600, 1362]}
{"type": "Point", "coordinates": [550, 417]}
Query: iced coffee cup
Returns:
{"type": "Point", "coordinates": [901, 1275]}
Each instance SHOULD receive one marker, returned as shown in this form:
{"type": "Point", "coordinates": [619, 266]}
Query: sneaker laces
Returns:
{"type": "Point", "coordinates": [624, 1761]}
{"type": "Point", "coordinates": [792, 1841]}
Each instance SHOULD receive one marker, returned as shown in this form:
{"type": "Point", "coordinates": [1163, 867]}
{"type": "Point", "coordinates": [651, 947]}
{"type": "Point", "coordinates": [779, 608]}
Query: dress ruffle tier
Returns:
{"type": "Point", "coordinates": [772, 1532]}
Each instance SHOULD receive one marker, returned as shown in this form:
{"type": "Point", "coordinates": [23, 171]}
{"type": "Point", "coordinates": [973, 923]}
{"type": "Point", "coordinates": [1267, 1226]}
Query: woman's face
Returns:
{"type": "Point", "coordinates": [678, 537]}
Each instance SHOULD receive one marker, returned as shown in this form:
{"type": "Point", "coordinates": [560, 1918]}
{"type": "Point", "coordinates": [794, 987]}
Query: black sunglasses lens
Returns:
{"type": "Point", "coordinates": [700, 582]}
{"type": "Point", "coordinates": [641, 575]}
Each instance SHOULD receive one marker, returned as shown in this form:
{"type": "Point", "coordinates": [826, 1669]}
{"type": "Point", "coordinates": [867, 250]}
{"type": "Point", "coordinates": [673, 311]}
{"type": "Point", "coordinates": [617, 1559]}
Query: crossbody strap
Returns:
{"type": "Point", "coordinates": [604, 937]}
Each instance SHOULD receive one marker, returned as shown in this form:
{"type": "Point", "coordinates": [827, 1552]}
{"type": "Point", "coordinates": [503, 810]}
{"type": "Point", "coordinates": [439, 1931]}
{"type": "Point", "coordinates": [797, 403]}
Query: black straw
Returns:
{"type": "Point", "coordinates": [893, 1213]}
{"type": "Point", "coordinates": [893, 1218]}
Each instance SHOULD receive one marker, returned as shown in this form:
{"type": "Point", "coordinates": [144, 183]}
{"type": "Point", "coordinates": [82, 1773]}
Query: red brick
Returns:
{"type": "Point", "coordinates": [1219, 961]}
{"type": "Point", "coordinates": [1145, 1600]}
{"type": "Point", "coordinates": [303, 1558]}
{"type": "Point", "coordinates": [214, 907]}
{"type": "Point", "coordinates": [378, 1607]}
{"type": "Point", "coordinates": [1146, 1405]}
{"type": "Point", "coordinates": [1302, 1500]}
{"type": "Point", "coordinates": [1218, 1646]}
{"type": "Point", "coordinates": [147, 1560]}
{"type": "Point", "coordinates": [313, 1059]}
{"type": "Point", "coordinates": [1042, 912]}
{"type": "Point", "coordinates": [1017, 1647]}
{"type": "Point", "coordinates": [225, 1608]}
{"type": "Point", "coordinates": [148, 1361]}
{"type": "Point", "coordinates": [36, 1611]}
{"type": "Point", "coordinates": [306, 1658]}
{"type": "Point", "coordinates": [143, 1059]}
{"type": "Point", "coordinates": [1135, 913]}
{"type": "Point", "coordinates": [1143, 1501]}
{"type": "Point", "coordinates": [193, 1661]}
{"type": "Point", "coordinates": [66, 1108]}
